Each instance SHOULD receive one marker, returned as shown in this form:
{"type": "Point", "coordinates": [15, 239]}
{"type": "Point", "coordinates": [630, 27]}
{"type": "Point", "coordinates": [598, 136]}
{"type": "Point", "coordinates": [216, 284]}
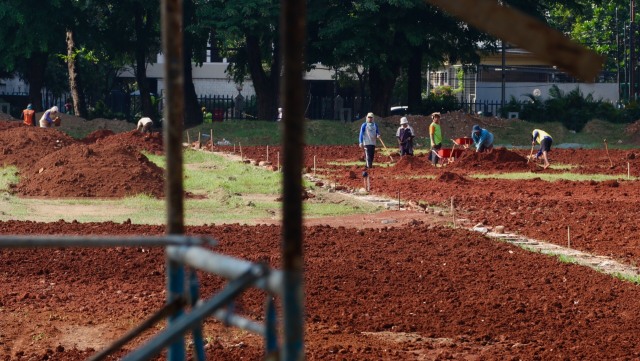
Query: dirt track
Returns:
{"type": "Point", "coordinates": [415, 292]}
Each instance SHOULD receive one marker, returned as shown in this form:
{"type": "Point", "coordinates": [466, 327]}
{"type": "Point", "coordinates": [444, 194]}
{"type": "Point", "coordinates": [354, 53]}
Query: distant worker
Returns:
{"type": "Point", "coordinates": [279, 115]}
{"type": "Point", "coordinates": [68, 107]}
{"type": "Point", "coordinates": [207, 117]}
{"type": "Point", "coordinates": [29, 116]}
{"type": "Point", "coordinates": [145, 125]}
{"type": "Point", "coordinates": [435, 137]}
{"type": "Point", "coordinates": [405, 137]}
{"type": "Point", "coordinates": [49, 117]}
{"type": "Point", "coordinates": [482, 138]}
{"type": "Point", "coordinates": [544, 139]}
{"type": "Point", "coordinates": [369, 134]}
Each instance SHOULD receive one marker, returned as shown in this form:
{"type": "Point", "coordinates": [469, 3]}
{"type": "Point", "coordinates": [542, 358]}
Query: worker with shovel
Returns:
{"type": "Point", "coordinates": [435, 137]}
{"type": "Point", "coordinates": [544, 139]}
{"type": "Point", "coordinates": [369, 133]}
{"type": "Point", "coordinates": [405, 137]}
{"type": "Point", "coordinates": [482, 138]}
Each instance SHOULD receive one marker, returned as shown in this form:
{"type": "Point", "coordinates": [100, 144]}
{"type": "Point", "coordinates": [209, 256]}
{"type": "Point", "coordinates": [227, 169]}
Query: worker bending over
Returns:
{"type": "Point", "coordinates": [145, 125]}
{"type": "Point", "coordinates": [544, 139]}
{"type": "Point", "coordinates": [482, 138]}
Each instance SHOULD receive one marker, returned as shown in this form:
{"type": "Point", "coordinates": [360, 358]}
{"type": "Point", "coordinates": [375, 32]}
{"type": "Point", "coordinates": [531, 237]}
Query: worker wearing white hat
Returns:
{"type": "Point", "coordinates": [369, 133]}
{"type": "Point", "coordinates": [49, 117]}
{"type": "Point", "coordinates": [405, 137]}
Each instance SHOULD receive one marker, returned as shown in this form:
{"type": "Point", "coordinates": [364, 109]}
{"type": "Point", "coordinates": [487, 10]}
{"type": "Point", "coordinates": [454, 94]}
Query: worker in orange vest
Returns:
{"type": "Point", "coordinates": [29, 115]}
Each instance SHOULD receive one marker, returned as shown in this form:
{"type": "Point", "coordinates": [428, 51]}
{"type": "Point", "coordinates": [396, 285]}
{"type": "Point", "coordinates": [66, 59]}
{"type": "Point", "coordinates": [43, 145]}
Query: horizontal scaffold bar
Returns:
{"type": "Point", "coordinates": [20, 241]}
{"type": "Point", "coordinates": [224, 266]}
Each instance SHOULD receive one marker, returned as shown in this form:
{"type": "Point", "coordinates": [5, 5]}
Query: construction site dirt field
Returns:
{"type": "Point", "coordinates": [411, 290]}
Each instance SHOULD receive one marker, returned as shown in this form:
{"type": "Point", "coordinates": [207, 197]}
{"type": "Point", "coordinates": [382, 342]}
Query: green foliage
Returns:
{"type": "Point", "coordinates": [595, 25]}
{"type": "Point", "coordinates": [441, 99]}
{"type": "Point", "coordinates": [573, 109]}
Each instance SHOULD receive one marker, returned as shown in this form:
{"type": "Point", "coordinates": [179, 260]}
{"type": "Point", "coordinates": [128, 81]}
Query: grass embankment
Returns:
{"type": "Point", "coordinates": [327, 132]}
{"type": "Point", "coordinates": [225, 191]}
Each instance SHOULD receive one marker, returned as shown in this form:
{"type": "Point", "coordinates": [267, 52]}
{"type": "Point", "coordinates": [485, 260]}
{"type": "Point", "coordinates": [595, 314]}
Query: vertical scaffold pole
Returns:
{"type": "Point", "coordinates": [172, 44]}
{"type": "Point", "coordinates": [293, 32]}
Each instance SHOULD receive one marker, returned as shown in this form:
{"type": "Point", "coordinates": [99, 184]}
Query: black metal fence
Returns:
{"type": "Point", "coordinates": [225, 107]}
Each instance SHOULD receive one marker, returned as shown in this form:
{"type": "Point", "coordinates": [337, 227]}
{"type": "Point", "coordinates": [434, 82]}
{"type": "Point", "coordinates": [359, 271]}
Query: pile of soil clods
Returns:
{"type": "Point", "coordinates": [498, 159]}
{"type": "Point", "coordinates": [450, 177]}
{"type": "Point", "coordinates": [103, 169]}
{"type": "Point", "coordinates": [23, 145]}
{"type": "Point", "coordinates": [151, 143]}
{"type": "Point", "coordinates": [411, 163]}
{"type": "Point", "coordinates": [98, 134]}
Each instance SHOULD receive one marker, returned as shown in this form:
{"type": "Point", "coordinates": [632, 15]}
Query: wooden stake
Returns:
{"type": "Point", "coordinates": [398, 200]}
{"type": "Point", "coordinates": [453, 213]}
{"type": "Point", "coordinates": [211, 136]}
{"type": "Point", "coordinates": [241, 155]}
{"type": "Point", "coordinates": [314, 165]}
{"type": "Point", "coordinates": [234, 147]}
{"type": "Point", "coordinates": [267, 153]}
{"type": "Point", "coordinates": [188, 138]}
{"type": "Point", "coordinates": [278, 161]}
{"type": "Point", "coordinates": [568, 237]}
{"type": "Point", "coordinates": [628, 170]}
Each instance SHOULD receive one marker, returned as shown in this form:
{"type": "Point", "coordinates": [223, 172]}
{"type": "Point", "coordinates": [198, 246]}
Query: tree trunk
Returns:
{"type": "Point", "coordinates": [36, 67]}
{"type": "Point", "coordinates": [79, 107]}
{"type": "Point", "coordinates": [381, 89]}
{"type": "Point", "coordinates": [266, 86]}
{"type": "Point", "coordinates": [414, 83]}
{"type": "Point", "coordinates": [192, 112]}
{"type": "Point", "coordinates": [141, 66]}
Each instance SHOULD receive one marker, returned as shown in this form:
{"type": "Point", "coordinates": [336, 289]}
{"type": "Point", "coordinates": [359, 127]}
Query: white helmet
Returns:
{"type": "Point", "coordinates": [54, 109]}
{"type": "Point", "coordinates": [404, 120]}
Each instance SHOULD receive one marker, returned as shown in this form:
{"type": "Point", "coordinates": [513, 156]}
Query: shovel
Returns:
{"type": "Point", "coordinates": [530, 154]}
{"type": "Point", "coordinates": [385, 148]}
{"type": "Point", "coordinates": [607, 149]}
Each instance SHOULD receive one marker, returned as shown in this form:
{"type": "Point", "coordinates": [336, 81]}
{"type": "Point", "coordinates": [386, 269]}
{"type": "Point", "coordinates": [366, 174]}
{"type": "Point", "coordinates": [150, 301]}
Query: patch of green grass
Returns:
{"type": "Point", "coordinates": [226, 191]}
{"type": "Point", "coordinates": [626, 277]}
{"type": "Point", "coordinates": [358, 164]}
{"type": "Point", "coordinates": [562, 166]}
{"type": "Point", "coordinates": [550, 177]}
{"type": "Point", "coordinates": [8, 175]}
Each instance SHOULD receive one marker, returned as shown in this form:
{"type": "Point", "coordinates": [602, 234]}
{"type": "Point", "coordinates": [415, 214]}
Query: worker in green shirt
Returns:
{"type": "Point", "coordinates": [435, 136]}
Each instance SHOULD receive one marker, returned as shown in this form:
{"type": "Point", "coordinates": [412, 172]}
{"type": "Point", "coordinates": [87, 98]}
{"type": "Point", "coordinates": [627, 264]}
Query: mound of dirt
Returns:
{"type": "Point", "coordinates": [22, 145]}
{"type": "Point", "coordinates": [450, 177]}
{"type": "Point", "coordinates": [103, 169]}
{"type": "Point", "coordinates": [411, 163]}
{"type": "Point", "coordinates": [151, 143]}
{"type": "Point", "coordinates": [498, 159]}
{"type": "Point", "coordinates": [81, 127]}
{"type": "Point", "coordinates": [6, 117]}
{"type": "Point", "coordinates": [98, 134]}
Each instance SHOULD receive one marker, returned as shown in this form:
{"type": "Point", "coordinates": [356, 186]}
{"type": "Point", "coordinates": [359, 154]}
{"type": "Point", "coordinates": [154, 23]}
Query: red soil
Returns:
{"type": "Point", "coordinates": [394, 293]}
{"type": "Point", "coordinates": [52, 164]}
{"type": "Point", "coordinates": [412, 292]}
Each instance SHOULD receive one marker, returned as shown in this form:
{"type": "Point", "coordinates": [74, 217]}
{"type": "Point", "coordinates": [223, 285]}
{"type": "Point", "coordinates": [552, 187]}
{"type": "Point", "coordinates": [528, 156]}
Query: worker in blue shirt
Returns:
{"type": "Point", "coordinates": [482, 138]}
{"type": "Point", "coordinates": [369, 134]}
